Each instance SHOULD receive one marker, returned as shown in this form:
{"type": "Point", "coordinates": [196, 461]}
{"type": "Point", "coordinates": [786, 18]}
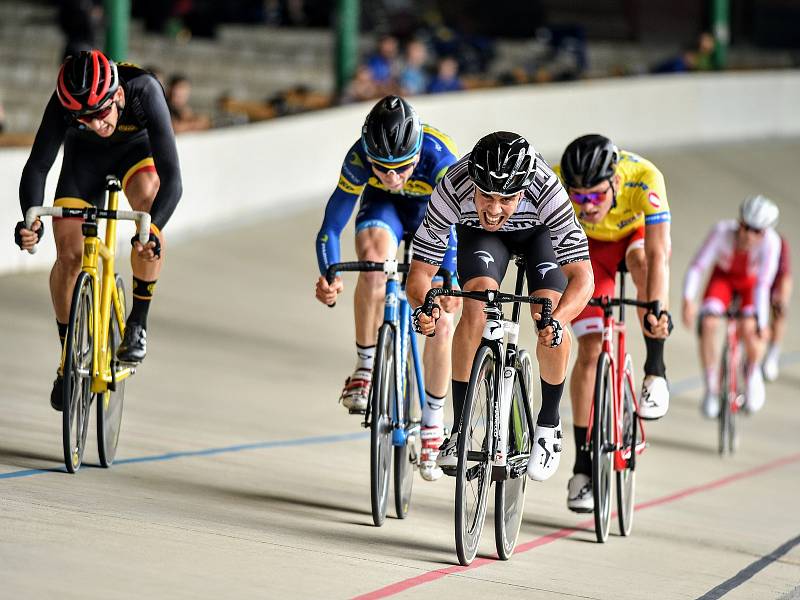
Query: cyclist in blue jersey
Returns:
{"type": "Point", "coordinates": [393, 168]}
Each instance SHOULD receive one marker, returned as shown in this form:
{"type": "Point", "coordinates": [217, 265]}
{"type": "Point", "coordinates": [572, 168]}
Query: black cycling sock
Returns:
{"type": "Point", "coordinates": [62, 332]}
{"type": "Point", "coordinates": [551, 398]}
{"type": "Point", "coordinates": [583, 460]}
{"type": "Point", "coordinates": [142, 295]}
{"type": "Point", "coordinates": [459, 396]}
{"type": "Point", "coordinates": [654, 363]}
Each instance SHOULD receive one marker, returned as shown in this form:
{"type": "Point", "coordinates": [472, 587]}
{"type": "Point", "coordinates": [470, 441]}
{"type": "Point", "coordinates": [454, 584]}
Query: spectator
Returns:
{"type": "Point", "coordinates": [383, 64]}
{"type": "Point", "coordinates": [362, 87]}
{"type": "Point", "coordinates": [183, 117]}
{"type": "Point", "coordinates": [705, 51]}
{"type": "Point", "coordinates": [446, 79]}
{"type": "Point", "coordinates": [413, 78]}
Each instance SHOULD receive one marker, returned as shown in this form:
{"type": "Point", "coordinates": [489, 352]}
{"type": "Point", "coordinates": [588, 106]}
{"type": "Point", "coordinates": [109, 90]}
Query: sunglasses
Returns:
{"type": "Point", "coordinates": [98, 114]}
{"type": "Point", "coordinates": [386, 168]}
{"type": "Point", "coordinates": [594, 198]}
{"type": "Point", "coordinates": [747, 227]}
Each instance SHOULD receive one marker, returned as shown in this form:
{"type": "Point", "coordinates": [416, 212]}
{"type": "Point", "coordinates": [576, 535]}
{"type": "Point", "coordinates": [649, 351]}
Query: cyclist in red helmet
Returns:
{"type": "Point", "coordinates": [111, 119]}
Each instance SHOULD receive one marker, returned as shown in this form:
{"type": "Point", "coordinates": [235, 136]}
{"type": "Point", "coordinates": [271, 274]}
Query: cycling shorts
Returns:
{"type": "Point", "coordinates": [82, 179]}
{"type": "Point", "coordinates": [484, 253]}
{"type": "Point", "coordinates": [721, 289]}
{"type": "Point", "coordinates": [605, 258]}
{"type": "Point", "coordinates": [401, 217]}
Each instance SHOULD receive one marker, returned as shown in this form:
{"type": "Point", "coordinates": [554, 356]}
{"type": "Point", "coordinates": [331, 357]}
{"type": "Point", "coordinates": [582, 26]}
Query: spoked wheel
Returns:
{"type": "Point", "coordinates": [406, 456]}
{"type": "Point", "coordinates": [602, 455]}
{"type": "Point", "coordinates": [109, 404]}
{"type": "Point", "coordinates": [78, 373]}
{"type": "Point", "coordinates": [626, 478]}
{"type": "Point", "coordinates": [725, 417]}
{"type": "Point", "coordinates": [473, 473]}
{"type": "Point", "coordinates": [380, 456]}
{"type": "Point", "coordinates": [509, 494]}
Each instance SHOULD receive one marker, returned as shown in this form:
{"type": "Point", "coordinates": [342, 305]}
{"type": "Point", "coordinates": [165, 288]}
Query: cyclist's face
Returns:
{"type": "Point", "coordinates": [494, 210]}
{"type": "Point", "coordinates": [594, 202]}
{"type": "Point", "coordinates": [749, 238]}
{"type": "Point", "coordinates": [103, 122]}
{"type": "Point", "coordinates": [394, 179]}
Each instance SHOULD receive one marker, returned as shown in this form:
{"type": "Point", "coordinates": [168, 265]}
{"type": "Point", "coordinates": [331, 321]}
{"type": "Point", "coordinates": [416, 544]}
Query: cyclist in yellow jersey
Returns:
{"type": "Point", "coordinates": [621, 202]}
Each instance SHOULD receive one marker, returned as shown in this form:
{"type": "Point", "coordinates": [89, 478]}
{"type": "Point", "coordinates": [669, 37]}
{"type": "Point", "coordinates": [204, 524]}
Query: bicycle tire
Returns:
{"type": "Point", "coordinates": [724, 416]}
{"type": "Point", "coordinates": [383, 388]}
{"type": "Point", "coordinates": [110, 404]}
{"type": "Point", "coordinates": [478, 402]}
{"type": "Point", "coordinates": [602, 458]}
{"type": "Point", "coordinates": [626, 478]}
{"type": "Point", "coordinates": [509, 494]}
{"type": "Point", "coordinates": [78, 367]}
{"type": "Point", "coordinates": [407, 455]}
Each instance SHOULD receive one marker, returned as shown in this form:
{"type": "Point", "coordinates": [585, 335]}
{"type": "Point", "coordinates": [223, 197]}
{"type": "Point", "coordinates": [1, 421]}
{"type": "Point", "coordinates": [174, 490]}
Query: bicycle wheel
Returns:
{"type": "Point", "coordinates": [381, 398]}
{"type": "Point", "coordinates": [473, 473]}
{"type": "Point", "coordinates": [509, 494]}
{"type": "Point", "coordinates": [602, 455]}
{"type": "Point", "coordinates": [407, 455]}
{"type": "Point", "coordinates": [78, 373]}
{"type": "Point", "coordinates": [626, 478]}
{"type": "Point", "coordinates": [724, 417]}
{"type": "Point", "coordinates": [109, 404]}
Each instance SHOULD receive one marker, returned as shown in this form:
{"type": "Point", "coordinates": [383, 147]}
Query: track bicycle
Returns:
{"type": "Point", "coordinates": [497, 427]}
{"type": "Point", "coordinates": [731, 384]}
{"type": "Point", "coordinates": [615, 434]}
{"type": "Point", "coordinates": [96, 326]}
{"type": "Point", "coordinates": [393, 413]}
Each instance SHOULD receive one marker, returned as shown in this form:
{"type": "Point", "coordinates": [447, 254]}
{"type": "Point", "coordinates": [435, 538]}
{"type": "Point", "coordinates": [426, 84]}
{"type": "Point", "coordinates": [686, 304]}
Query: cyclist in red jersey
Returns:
{"type": "Point", "coordinates": [780, 294]}
{"type": "Point", "coordinates": [111, 119]}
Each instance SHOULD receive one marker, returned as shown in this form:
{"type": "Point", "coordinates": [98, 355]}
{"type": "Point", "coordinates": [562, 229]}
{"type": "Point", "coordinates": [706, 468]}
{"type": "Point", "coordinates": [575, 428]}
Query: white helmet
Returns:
{"type": "Point", "coordinates": [759, 212]}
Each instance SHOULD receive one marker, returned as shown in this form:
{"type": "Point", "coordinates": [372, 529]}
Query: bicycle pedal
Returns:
{"type": "Point", "coordinates": [357, 411]}
{"type": "Point", "coordinates": [449, 471]}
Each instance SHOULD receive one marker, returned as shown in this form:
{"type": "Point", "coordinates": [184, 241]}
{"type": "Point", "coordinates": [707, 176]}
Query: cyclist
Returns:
{"type": "Point", "coordinates": [111, 118]}
{"type": "Point", "coordinates": [745, 256]}
{"type": "Point", "coordinates": [393, 166]}
{"type": "Point", "coordinates": [621, 202]}
{"type": "Point", "coordinates": [505, 200]}
{"type": "Point", "coordinates": [780, 294]}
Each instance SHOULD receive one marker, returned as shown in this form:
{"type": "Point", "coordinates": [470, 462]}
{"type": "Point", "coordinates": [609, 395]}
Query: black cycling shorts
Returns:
{"type": "Point", "coordinates": [86, 164]}
{"type": "Point", "coordinates": [484, 253]}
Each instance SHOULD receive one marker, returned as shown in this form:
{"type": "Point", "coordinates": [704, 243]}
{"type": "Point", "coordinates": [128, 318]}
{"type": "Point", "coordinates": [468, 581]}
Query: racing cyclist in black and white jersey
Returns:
{"type": "Point", "coordinates": [505, 200]}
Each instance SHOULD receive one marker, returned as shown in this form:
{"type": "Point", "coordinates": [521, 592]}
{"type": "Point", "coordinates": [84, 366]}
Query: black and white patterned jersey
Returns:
{"type": "Point", "coordinates": [545, 202]}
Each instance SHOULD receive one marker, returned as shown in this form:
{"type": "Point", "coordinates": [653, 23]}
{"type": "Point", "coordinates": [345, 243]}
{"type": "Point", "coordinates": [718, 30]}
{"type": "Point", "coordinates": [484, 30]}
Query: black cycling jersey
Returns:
{"type": "Point", "coordinates": [144, 123]}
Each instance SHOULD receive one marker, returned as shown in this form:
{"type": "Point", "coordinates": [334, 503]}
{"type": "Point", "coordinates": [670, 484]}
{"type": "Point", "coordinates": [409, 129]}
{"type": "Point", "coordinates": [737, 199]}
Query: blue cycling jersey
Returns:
{"type": "Point", "coordinates": [437, 154]}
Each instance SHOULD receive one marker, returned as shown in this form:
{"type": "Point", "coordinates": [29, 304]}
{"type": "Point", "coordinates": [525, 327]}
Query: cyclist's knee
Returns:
{"type": "Point", "coordinates": [141, 190]}
{"type": "Point", "coordinates": [637, 264]}
{"type": "Point", "coordinates": [375, 244]}
{"type": "Point", "coordinates": [589, 348]}
{"type": "Point", "coordinates": [372, 281]}
{"type": "Point", "coordinates": [444, 326]}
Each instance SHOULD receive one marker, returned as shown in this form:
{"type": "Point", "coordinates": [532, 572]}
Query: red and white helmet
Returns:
{"type": "Point", "coordinates": [86, 81]}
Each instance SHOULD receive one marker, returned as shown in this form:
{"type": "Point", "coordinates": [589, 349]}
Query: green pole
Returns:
{"type": "Point", "coordinates": [346, 43]}
{"type": "Point", "coordinates": [118, 17]}
{"type": "Point", "coordinates": [721, 11]}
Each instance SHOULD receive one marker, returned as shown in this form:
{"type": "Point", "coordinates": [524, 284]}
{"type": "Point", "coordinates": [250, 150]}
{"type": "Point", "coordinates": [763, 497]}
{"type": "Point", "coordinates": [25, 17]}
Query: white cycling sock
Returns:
{"type": "Point", "coordinates": [365, 357]}
{"type": "Point", "coordinates": [433, 410]}
{"type": "Point", "coordinates": [712, 380]}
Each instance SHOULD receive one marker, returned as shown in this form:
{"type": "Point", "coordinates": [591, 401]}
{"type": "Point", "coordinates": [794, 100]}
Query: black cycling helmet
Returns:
{"type": "Point", "coordinates": [502, 163]}
{"type": "Point", "coordinates": [589, 160]}
{"type": "Point", "coordinates": [392, 132]}
{"type": "Point", "coordinates": [86, 81]}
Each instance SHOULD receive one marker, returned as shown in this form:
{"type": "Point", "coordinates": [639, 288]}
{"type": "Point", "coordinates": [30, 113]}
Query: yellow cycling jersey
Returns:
{"type": "Point", "coordinates": [641, 200]}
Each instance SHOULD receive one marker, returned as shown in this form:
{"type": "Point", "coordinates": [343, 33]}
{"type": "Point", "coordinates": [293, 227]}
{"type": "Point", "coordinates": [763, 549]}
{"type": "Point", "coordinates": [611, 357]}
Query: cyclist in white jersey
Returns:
{"type": "Point", "coordinates": [505, 200]}
{"type": "Point", "coordinates": [745, 256]}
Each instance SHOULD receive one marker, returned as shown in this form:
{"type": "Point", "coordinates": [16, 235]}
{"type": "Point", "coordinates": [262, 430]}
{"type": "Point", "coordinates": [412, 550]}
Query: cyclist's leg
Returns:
{"type": "Point", "coordinates": [716, 300]}
{"type": "Point", "coordinates": [780, 295]}
{"type": "Point", "coordinates": [754, 346]}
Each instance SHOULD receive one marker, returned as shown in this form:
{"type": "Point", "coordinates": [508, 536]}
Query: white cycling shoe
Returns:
{"type": "Point", "coordinates": [756, 394]}
{"type": "Point", "coordinates": [579, 494]}
{"type": "Point", "coordinates": [448, 452]}
{"type": "Point", "coordinates": [771, 364]}
{"type": "Point", "coordinates": [432, 438]}
{"type": "Point", "coordinates": [710, 406]}
{"type": "Point", "coordinates": [654, 400]}
{"type": "Point", "coordinates": [355, 394]}
{"type": "Point", "coordinates": [546, 452]}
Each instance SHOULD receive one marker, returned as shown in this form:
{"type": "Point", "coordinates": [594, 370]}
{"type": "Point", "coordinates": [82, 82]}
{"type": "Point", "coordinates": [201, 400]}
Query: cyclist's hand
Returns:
{"type": "Point", "coordinates": [426, 324]}
{"type": "Point", "coordinates": [660, 327]}
{"type": "Point", "coordinates": [28, 238]}
{"type": "Point", "coordinates": [327, 292]}
{"type": "Point", "coordinates": [550, 335]}
{"type": "Point", "coordinates": [689, 313]}
{"type": "Point", "coordinates": [149, 252]}
{"type": "Point", "coordinates": [450, 304]}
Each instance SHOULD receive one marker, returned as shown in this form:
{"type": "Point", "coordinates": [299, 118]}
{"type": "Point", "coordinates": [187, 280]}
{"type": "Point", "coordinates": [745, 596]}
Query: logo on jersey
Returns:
{"type": "Point", "coordinates": [484, 256]}
{"type": "Point", "coordinates": [355, 159]}
{"type": "Point", "coordinates": [544, 267]}
{"type": "Point", "coordinates": [654, 200]}
{"type": "Point", "coordinates": [127, 128]}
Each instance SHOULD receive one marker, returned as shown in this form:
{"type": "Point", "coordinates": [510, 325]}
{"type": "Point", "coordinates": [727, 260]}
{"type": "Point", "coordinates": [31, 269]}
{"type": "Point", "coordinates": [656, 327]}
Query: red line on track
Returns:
{"type": "Point", "coordinates": [401, 586]}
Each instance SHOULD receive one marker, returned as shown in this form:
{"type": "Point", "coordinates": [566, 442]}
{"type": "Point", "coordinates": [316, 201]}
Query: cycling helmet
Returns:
{"type": "Point", "coordinates": [392, 132]}
{"type": "Point", "coordinates": [589, 160]}
{"type": "Point", "coordinates": [502, 163]}
{"type": "Point", "coordinates": [86, 81]}
{"type": "Point", "coordinates": [759, 212]}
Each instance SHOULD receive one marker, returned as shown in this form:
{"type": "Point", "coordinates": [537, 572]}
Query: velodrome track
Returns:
{"type": "Point", "coordinates": [238, 476]}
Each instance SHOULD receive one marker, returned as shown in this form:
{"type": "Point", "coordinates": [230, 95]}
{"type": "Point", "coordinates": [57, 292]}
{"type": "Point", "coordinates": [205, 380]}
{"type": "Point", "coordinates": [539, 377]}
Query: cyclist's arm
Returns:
{"type": "Point", "coordinates": [768, 266]}
{"type": "Point", "coordinates": [555, 211]}
{"type": "Point", "coordinates": [432, 236]}
{"type": "Point", "coordinates": [656, 251]}
{"type": "Point", "coordinates": [580, 285]}
{"type": "Point", "coordinates": [702, 260]}
{"type": "Point", "coordinates": [419, 281]}
{"type": "Point", "coordinates": [337, 214]}
{"type": "Point", "coordinates": [48, 140]}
